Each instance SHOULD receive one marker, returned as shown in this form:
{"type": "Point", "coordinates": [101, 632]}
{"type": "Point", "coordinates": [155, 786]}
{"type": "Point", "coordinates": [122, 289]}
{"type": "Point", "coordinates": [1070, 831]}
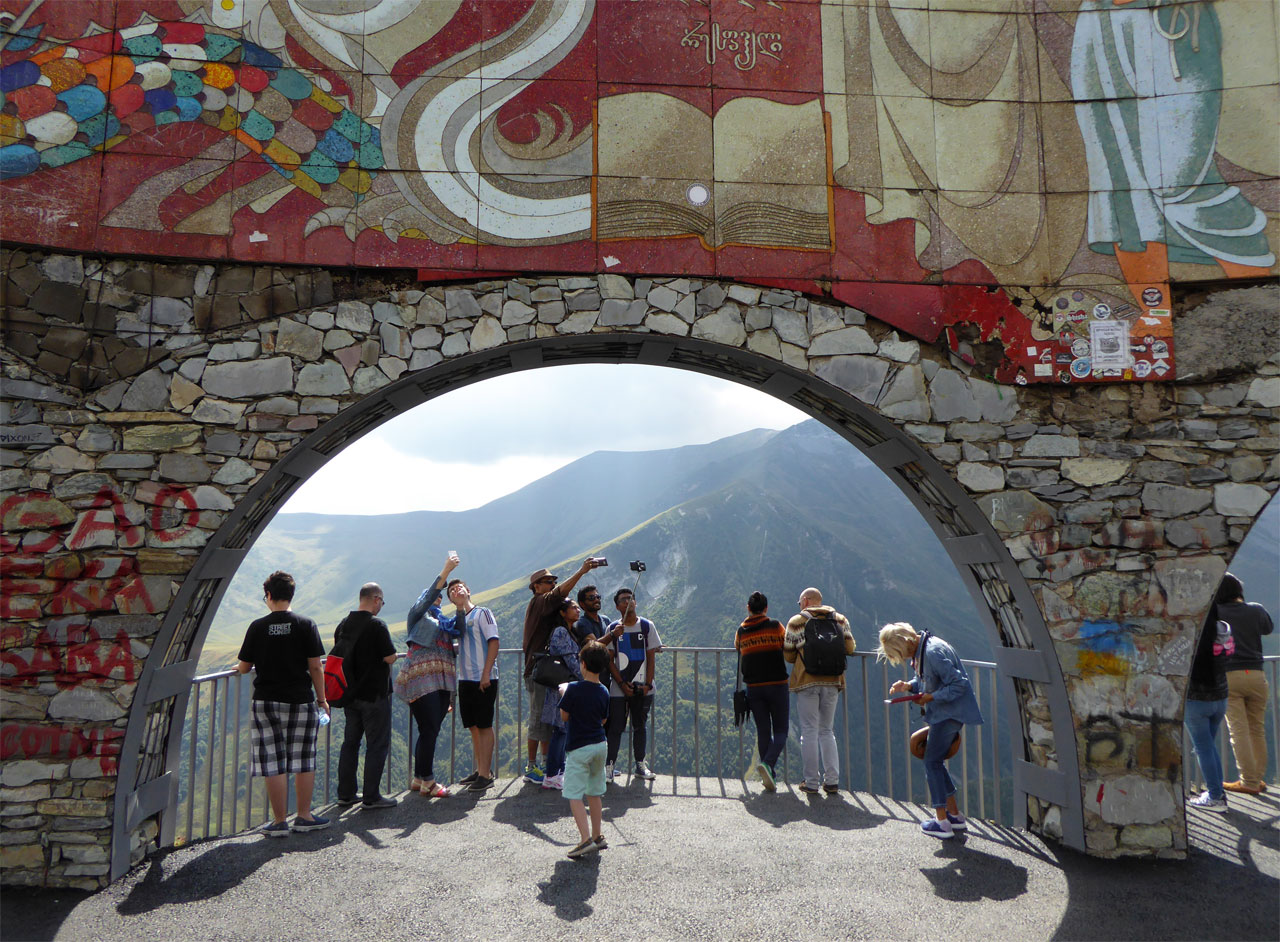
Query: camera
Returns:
{"type": "Point", "coordinates": [601, 561]}
{"type": "Point", "coordinates": [637, 566]}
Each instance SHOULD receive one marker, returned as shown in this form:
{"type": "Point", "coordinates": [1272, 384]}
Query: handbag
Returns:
{"type": "Point", "coordinates": [550, 670]}
{"type": "Point", "coordinates": [920, 740]}
{"type": "Point", "coordinates": [740, 707]}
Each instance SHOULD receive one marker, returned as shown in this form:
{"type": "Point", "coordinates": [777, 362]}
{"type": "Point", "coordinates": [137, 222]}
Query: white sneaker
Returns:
{"type": "Point", "coordinates": [609, 772]}
{"type": "Point", "coordinates": [1206, 803]}
{"type": "Point", "coordinates": [553, 781]}
{"type": "Point", "coordinates": [642, 770]}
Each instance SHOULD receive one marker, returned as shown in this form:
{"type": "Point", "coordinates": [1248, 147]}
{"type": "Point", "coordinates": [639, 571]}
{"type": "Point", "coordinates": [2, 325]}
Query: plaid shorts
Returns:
{"type": "Point", "coordinates": [284, 737]}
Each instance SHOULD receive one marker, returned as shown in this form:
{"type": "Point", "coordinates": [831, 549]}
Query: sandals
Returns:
{"type": "Point", "coordinates": [436, 791]}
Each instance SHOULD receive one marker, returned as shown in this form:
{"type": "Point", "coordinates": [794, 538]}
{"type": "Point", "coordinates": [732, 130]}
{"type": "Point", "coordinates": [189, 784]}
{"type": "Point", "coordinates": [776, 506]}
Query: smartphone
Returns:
{"type": "Point", "coordinates": [453, 554]}
{"type": "Point", "coordinates": [601, 561]}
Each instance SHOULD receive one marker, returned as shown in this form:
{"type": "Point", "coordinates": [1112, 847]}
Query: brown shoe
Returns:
{"type": "Point", "coordinates": [1241, 788]}
{"type": "Point", "coordinates": [1262, 786]}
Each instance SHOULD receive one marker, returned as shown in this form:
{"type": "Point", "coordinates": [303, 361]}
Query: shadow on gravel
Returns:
{"type": "Point", "coordinates": [973, 875]}
{"type": "Point", "coordinates": [215, 871]}
{"type": "Point", "coordinates": [36, 914]}
{"type": "Point", "coordinates": [828, 811]}
{"type": "Point", "coordinates": [1218, 892]}
{"type": "Point", "coordinates": [529, 808]}
{"type": "Point", "coordinates": [572, 884]}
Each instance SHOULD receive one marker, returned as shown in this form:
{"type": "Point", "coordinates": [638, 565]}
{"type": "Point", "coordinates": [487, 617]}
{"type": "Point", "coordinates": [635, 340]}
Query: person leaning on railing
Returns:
{"type": "Point", "coordinates": [946, 694]}
{"type": "Point", "coordinates": [759, 640]}
{"type": "Point", "coordinates": [1247, 690]}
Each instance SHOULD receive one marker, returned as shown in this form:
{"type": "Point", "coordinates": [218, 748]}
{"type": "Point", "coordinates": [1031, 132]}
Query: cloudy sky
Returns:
{"type": "Point", "coordinates": [475, 444]}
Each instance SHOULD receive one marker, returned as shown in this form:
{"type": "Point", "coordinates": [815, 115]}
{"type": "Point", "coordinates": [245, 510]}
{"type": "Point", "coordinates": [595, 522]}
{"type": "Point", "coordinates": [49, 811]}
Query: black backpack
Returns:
{"type": "Point", "coordinates": [823, 651]}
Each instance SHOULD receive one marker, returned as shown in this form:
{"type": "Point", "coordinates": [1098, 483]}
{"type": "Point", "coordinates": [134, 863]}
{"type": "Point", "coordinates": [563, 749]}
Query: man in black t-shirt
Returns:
{"type": "Point", "coordinates": [368, 705]}
{"type": "Point", "coordinates": [285, 650]}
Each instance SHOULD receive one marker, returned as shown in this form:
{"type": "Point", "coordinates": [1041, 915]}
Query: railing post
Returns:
{"type": "Point", "coordinates": [208, 780]}
{"type": "Point", "coordinates": [866, 726]}
{"type": "Point", "coordinates": [982, 791]}
{"type": "Point", "coordinates": [719, 723]}
{"type": "Point", "coordinates": [235, 757]}
{"type": "Point", "coordinates": [888, 729]}
{"type": "Point", "coordinates": [675, 676]}
{"type": "Point", "coordinates": [191, 766]}
{"type": "Point", "coordinates": [697, 744]}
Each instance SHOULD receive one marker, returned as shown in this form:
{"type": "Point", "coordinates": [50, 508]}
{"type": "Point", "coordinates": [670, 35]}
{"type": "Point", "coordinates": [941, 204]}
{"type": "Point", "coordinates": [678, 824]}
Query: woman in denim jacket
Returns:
{"type": "Point", "coordinates": [429, 678]}
{"type": "Point", "coordinates": [562, 642]}
{"type": "Point", "coordinates": [943, 689]}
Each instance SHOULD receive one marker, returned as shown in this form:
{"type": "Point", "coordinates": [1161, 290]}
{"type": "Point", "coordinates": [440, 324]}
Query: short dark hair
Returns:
{"type": "Point", "coordinates": [595, 657]}
{"type": "Point", "coordinates": [279, 586]}
{"type": "Point", "coordinates": [757, 603]}
{"type": "Point", "coordinates": [452, 583]}
{"type": "Point", "coordinates": [1230, 590]}
{"type": "Point", "coordinates": [564, 605]}
{"type": "Point", "coordinates": [621, 592]}
{"type": "Point", "coordinates": [370, 590]}
{"type": "Point", "coordinates": [584, 592]}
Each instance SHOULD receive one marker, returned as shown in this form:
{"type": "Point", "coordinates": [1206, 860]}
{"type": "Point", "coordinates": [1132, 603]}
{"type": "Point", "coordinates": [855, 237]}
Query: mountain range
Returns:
{"type": "Point", "coordinates": [770, 510]}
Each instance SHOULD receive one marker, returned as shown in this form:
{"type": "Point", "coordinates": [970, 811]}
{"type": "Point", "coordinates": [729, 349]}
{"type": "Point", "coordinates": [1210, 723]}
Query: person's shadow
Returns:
{"type": "Point", "coordinates": [830, 811]}
{"type": "Point", "coordinates": [571, 885]}
{"type": "Point", "coordinates": [215, 871]}
{"type": "Point", "coordinates": [972, 875]}
{"type": "Point", "coordinates": [528, 809]}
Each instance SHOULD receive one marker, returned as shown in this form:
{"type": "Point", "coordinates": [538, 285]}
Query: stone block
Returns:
{"type": "Point", "coordinates": [619, 313]}
{"type": "Point", "coordinates": [980, 477]}
{"type": "Point", "coordinates": [1131, 800]}
{"type": "Point", "coordinates": [906, 397]}
{"type": "Point", "coordinates": [355, 316]}
{"type": "Point", "coordinates": [1239, 500]}
{"type": "Point", "coordinates": [1189, 582]}
{"type": "Point", "coordinates": [323, 379]}
{"type": "Point", "coordinates": [791, 326]}
{"type": "Point", "coordinates": [1170, 500]}
{"type": "Point", "coordinates": [299, 340]}
{"type": "Point", "coordinates": [662, 323]}
{"type": "Point", "coordinates": [611, 287]}
{"type": "Point", "coordinates": [24, 857]}
{"type": "Point", "coordinates": [1051, 446]}
{"type": "Point", "coordinates": [61, 459]}
{"type": "Point", "coordinates": [842, 342]}
{"type": "Point", "coordinates": [487, 334]}
{"type": "Point", "coordinates": [187, 469]}
{"type": "Point", "coordinates": [861, 376]}
{"type": "Point", "coordinates": [247, 380]}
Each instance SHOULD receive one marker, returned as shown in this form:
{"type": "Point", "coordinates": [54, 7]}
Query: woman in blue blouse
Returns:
{"type": "Point", "coordinates": [947, 697]}
{"type": "Point", "coordinates": [429, 678]}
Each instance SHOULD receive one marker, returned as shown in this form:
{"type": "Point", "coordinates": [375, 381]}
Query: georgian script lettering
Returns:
{"type": "Point", "coordinates": [744, 45]}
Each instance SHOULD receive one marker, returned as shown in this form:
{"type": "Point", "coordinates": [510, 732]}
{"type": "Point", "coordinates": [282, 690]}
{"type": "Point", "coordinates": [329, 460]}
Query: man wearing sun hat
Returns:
{"type": "Point", "coordinates": [540, 619]}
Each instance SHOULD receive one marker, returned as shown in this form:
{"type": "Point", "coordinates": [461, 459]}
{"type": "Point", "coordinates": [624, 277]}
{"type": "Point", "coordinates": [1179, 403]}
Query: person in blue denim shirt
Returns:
{"type": "Point", "coordinates": [943, 689]}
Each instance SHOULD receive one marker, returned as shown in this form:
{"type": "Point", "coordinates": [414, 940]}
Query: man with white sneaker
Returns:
{"type": "Point", "coordinates": [632, 642]}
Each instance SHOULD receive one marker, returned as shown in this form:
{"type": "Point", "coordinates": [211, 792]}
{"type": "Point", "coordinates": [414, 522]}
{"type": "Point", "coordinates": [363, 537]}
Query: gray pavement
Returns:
{"type": "Point", "coordinates": [687, 860]}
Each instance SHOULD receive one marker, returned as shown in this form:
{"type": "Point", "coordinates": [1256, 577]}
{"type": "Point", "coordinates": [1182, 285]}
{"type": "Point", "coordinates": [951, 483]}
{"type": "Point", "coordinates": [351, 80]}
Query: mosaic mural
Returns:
{"type": "Point", "coordinates": [1033, 173]}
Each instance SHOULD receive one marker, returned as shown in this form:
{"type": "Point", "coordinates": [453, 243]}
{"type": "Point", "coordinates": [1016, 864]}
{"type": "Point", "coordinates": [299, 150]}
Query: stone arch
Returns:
{"type": "Point", "coordinates": [1028, 671]}
{"type": "Point", "coordinates": [1102, 515]}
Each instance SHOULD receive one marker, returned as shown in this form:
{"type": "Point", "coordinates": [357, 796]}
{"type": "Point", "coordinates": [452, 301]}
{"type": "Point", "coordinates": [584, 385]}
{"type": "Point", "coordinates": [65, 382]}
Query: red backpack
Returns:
{"type": "Point", "coordinates": [336, 685]}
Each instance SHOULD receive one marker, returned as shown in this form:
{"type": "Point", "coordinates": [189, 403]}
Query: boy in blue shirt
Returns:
{"type": "Point", "coordinates": [584, 707]}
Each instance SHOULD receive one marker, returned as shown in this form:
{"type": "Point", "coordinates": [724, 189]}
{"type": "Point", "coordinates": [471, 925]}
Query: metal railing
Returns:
{"type": "Point", "coordinates": [219, 795]}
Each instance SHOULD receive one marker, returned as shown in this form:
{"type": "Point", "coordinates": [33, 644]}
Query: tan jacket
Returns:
{"type": "Point", "coordinates": [794, 641]}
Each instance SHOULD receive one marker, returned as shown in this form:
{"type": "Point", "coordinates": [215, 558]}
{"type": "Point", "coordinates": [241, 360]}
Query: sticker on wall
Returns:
{"type": "Point", "coordinates": [1109, 345]}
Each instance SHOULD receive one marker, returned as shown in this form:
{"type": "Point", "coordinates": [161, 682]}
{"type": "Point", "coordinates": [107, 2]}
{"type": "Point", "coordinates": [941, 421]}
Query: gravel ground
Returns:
{"type": "Point", "coordinates": [686, 860]}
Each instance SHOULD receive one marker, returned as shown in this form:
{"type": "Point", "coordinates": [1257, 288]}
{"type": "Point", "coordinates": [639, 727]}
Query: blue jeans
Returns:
{"type": "Point", "coordinates": [555, 751]}
{"type": "Point", "coordinates": [1202, 718]}
{"type": "Point", "coordinates": [941, 736]}
{"type": "Point", "coordinates": [369, 720]}
{"type": "Point", "coordinates": [429, 711]}
{"type": "Point", "coordinates": [771, 709]}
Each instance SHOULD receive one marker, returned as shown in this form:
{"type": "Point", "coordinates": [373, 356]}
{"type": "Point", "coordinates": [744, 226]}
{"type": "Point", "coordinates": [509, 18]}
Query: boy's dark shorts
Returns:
{"type": "Point", "coordinates": [475, 706]}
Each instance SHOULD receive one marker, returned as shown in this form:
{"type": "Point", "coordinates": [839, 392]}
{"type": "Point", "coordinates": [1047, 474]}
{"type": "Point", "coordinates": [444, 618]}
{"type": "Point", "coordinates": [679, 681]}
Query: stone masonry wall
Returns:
{"type": "Point", "coordinates": [135, 418]}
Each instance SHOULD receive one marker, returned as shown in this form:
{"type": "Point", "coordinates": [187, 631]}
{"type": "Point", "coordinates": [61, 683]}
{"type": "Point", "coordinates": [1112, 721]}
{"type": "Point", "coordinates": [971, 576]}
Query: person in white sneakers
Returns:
{"type": "Point", "coordinates": [1207, 705]}
{"type": "Point", "coordinates": [633, 642]}
{"type": "Point", "coordinates": [562, 643]}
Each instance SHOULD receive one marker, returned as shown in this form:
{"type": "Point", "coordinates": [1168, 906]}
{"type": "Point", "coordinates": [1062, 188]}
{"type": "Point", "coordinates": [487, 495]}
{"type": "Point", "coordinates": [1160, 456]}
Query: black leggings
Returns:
{"type": "Point", "coordinates": [429, 711]}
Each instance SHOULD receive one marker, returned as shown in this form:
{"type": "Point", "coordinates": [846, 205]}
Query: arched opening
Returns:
{"type": "Point", "coordinates": [1030, 681]}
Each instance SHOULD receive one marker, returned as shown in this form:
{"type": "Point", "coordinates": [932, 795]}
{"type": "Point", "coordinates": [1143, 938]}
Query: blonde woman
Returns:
{"type": "Point", "coordinates": [949, 704]}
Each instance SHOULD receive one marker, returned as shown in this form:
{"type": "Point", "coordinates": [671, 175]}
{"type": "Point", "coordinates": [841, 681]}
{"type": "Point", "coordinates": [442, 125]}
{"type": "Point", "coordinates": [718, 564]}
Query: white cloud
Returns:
{"type": "Point", "coordinates": [475, 444]}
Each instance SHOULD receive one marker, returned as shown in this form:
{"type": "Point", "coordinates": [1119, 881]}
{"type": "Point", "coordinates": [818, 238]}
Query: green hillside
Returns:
{"type": "Point", "coordinates": [774, 511]}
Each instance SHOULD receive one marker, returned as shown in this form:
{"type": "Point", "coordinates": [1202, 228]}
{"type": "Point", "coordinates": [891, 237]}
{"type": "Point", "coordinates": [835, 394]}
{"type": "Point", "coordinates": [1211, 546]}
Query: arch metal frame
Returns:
{"type": "Point", "coordinates": [1027, 664]}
